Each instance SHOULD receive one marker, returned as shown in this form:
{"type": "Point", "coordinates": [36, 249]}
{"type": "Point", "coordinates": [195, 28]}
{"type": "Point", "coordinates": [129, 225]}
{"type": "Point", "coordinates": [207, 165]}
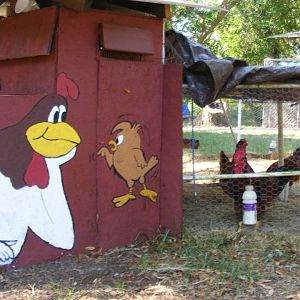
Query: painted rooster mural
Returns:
{"type": "Point", "coordinates": [31, 187]}
{"type": "Point", "coordinates": [128, 160]}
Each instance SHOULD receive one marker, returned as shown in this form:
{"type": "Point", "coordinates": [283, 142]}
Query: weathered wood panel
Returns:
{"type": "Point", "coordinates": [27, 35]}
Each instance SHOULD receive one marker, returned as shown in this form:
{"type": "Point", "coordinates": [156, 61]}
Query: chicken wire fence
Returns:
{"type": "Point", "coordinates": [216, 173]}
{"type": "Point", "coordinates": [210, 136]}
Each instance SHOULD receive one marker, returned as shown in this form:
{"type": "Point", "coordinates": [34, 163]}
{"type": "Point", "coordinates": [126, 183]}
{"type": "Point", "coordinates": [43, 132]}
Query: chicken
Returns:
{"type": "Point", "coordinates": [190, 143]}
{"type": "Point", "coordinates": [235, 187]}
{"type": "Point", "coordinates": [267, 189]}
{"type": "Point", "coordinates": [226, 167]}
{"type": "Point", "coordinates": [128, 161]}
{"type": "Point", "coordinates": [239, 159]}
{"type": "Point", "coordinates": [291, 163]}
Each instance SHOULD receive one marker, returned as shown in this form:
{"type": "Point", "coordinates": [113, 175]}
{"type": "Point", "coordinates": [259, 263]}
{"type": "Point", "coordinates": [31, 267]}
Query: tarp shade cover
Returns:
{"type": "Point", "coordinates": [209, 78]}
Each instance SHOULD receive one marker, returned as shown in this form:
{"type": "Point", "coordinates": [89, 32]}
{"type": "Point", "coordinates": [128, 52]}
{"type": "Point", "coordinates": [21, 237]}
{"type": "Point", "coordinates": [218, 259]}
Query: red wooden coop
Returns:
{"type": "Point", "coordinates": [122, 181]}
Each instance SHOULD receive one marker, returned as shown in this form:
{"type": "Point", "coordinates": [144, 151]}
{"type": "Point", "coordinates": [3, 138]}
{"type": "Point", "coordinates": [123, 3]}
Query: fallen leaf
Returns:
{"type": "Point", "coordinates": [90, 248]}
{"type": "Point", "coordinates": [127, 90]}
{"type": "Point", "coordinates": [263, 285]}
{"type": "Point", "coordinates": [270, 292]}
{"type": "Point", "coordinates": [291, 297]}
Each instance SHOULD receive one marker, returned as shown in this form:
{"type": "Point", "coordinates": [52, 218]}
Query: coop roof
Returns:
{"type": "Point", "coordinates": [158, 8]}
{"type": "Point", "coordinates": [209, 78]}
{"type": "Point", "coordinates": [295, 34]}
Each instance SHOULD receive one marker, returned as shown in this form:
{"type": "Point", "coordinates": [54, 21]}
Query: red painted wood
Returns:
{"type": "Point", "coordinates": [84, 53]}
{"type": "Point", "coordinates": [171, 151]}
{"type": "Point", "coordinates": [128, 91]}
{"type": "Point", "coordinates": [86, 26]}
{"type": "Point", "coordinates": [28, 75]}
{"type": "Point", "coordinates": [27, 35]}
{"type": "Point", "coordinates": [126, 39]}
{"type": "Point", "coordinates": [77, 58]}
{"type": "Point", "coordinates": [14, 108]}
{"type": "Point", "coordinates": [110, 91]}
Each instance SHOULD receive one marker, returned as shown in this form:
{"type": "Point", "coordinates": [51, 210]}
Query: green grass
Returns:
{"type": "Point", "coordinates": [62, 292]}
{"type": "Point", "coordinates": [228, 256]}
{"type": "Point", "coordinates": [213, 141]}
{"type": "Point", "coordinates": [223, 254]}
{"type": "Point", "coordinates": [120, 285]}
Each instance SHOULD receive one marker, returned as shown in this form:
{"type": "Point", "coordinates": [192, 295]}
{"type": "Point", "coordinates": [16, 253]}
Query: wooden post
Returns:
{"type": "Point", "coordinates": [12, 7]}
{"type": "Point", "coordinates": [239, 125]}
{"type": "Point", "coordinates": [284, 195]}
{"type": "Point", "coordinates": [280, 147]}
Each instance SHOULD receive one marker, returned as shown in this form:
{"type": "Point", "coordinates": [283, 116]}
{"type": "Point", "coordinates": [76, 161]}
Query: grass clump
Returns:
{"type": "Point", "coordinates": [231, 257]}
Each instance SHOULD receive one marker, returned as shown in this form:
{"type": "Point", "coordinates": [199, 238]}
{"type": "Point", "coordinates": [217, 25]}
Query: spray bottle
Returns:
{"type": "Point", "coordinates": [249, 206]}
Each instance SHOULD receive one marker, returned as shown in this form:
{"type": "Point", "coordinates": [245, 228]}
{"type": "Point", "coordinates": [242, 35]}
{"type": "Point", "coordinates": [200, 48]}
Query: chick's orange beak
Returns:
{"type": "Point", "coordinates": [113, 145]}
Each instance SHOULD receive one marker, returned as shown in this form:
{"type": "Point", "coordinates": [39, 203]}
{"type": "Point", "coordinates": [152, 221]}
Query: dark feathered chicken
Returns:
{"type": "Point", "coordinates": [235, 187]}
{"type": "Point", "coordinates": [267, 189]}
{"type": "Point", "coordinates": [291, 163]}
{"type": "Point", "coordinates": [239, 159]}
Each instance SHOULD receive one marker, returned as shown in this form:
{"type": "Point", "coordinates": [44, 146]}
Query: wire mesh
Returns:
{"type": "Point", "coordinates": [274, 93]}
{"type": "Point", "coordinates": [216, 128]}
{"type": "Point", "coordinates": [210, 135]}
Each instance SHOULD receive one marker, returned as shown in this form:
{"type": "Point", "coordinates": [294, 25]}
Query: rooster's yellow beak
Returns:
{"type": "Point", "coordinates": [52, 139]}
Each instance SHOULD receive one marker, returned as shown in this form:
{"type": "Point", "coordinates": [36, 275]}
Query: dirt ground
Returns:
{"type": "Point", "coordinates": [217, 208]}
{"type": "Point", "coordinates": [124, 273]}
{"type": "Point", "coordinates": [211, 209]}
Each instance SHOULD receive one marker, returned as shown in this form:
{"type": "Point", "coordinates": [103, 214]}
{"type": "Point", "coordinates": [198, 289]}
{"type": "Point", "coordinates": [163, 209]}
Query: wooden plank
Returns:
{"type": "Point", "coordinates": [126, 39]}
{"type": "Point", "coordinates": [12, 7]}
{"type": "Point", "coordinates": [142, 105]}
{"type": "Point", "coordinates": [158, 10]}
{"type": "Point", "coordinates": [244, 175]}
{"type": "Point", "coordinates": [171, 184]}
{"type": "Point", "coordinates": [78, 5]}
{"type": "Point", "coordinates": [27, 35]}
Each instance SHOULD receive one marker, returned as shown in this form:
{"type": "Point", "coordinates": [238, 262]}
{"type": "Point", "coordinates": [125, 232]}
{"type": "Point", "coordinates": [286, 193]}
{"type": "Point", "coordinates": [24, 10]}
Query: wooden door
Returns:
{"type": "Point", "coordinates": [129, 113]}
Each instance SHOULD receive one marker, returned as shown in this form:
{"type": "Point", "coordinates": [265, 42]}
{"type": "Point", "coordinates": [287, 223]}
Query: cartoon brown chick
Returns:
{"type": "Point", "coordinates": [128, 160]}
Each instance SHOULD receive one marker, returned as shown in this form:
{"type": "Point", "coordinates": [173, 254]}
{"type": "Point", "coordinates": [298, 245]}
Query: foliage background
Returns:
{"type": "Point", "coordinates": [242, 32]}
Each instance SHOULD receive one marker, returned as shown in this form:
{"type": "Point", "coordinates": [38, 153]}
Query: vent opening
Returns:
{"type": "Point", "coordinates": [121, 55]}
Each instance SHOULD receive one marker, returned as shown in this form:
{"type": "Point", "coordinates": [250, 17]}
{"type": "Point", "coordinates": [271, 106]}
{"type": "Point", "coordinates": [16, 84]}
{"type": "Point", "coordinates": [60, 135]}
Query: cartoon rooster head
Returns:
{"type": "Point", "coordinates": [50, 136]}
{"type": "Point", "coordinates": [127, 138]}
{"type": "Point", "coordinates": [42, 133]}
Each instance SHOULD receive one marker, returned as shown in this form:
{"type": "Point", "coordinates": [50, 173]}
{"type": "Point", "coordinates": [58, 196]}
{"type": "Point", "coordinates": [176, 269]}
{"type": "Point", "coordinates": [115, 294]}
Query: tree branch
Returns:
{"type": "Point", "coordinates": [220, 16]}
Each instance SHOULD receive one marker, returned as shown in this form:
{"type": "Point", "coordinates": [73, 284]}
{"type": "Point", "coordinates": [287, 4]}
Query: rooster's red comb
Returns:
{"type": "Point", "coordinates": [66, 87]}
